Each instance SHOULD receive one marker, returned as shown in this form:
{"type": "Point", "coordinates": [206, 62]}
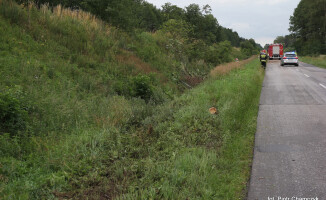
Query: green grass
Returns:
{"type": "Point", "coordinates": [89, 134]}
{"type": "Point", "coordinates": [205, 156]}
{"type": "Point", "coordinates": [319, 61]}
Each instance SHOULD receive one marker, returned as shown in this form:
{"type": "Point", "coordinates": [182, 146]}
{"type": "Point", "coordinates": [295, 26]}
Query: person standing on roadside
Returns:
{"type": "Point", "coordinates": [263, 59]}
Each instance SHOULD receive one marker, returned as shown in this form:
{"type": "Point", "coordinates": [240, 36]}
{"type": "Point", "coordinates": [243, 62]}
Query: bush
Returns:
{"type": "Point", "coordinates": [13, 114]}
{"type": "Point", "coordinates": [219, 53]}
{"type": "Point", "coordinates": [142, 87]}
{"type": "Point", "coordinates": [248, 48]}
{"type": "Point", "coordinates": [9, 10]}
{"type": "Point", "coordinates": [121, 87]}
{"type": "Point", "coordinates": [196, 50]}
{"type": "Point", "coordinates": [311, 47]}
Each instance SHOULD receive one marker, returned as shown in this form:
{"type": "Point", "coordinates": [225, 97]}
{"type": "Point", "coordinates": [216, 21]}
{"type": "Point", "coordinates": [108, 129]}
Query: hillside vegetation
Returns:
{"type": "Point", "coordinates": [92, 111]}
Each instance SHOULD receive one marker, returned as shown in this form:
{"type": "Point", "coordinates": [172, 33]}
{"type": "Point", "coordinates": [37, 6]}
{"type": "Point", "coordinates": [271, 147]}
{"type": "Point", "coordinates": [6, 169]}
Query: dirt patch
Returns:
{"type": "Point", "coordinates": [228, 67]}
{"type": "Point", "coordinates": [101, 191]}
{"type": "Point", "coordinates": [192, 80]}
{"type": "Point", "coordinates": [130, 59]}
{"type": "Point", "coordinates": [136, 62]}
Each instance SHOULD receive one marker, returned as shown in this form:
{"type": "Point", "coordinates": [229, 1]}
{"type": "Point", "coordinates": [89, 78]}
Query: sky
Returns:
{"type": "Point", "coordinates": [262, 20]}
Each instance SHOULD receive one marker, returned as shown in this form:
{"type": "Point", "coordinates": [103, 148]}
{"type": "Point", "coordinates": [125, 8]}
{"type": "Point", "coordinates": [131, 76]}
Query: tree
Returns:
{"type": "Point", "coordinates": [150, 17]}
{"type": "Point", "coordinates": [205, 24]}
{"type": "Point", "coordinates": [249, 47]}
{"type": "Point", "coordinates": [170, 11]}
{"type": "Point", "coordinates": [230, 35]}
{"type": "Point", "coordinates": [288, 42]}
{"type": "Point", "coordinates": [280, 39]}
{"type": "Point", "coordinates": [308, 25]}
{"type": "Point", "coordinates": [177, 34]}
{"type": "Point", "coordinates": [177, 28]}
{"type": "Point", "coordinates": [219, 53]}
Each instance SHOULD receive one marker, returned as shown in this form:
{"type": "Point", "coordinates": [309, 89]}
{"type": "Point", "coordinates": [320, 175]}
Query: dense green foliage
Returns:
{"type": "Point", "coordinates": [249, 47]}
{"type": "Point", "coordinates": [308, 24]}
{"type": "Point", "coordinates": [88, 110]}
{"type": "Point", "coordinates": [13, 113]}
{"type": "Point", "coordinates": [288, 42]}
{"type": "Point", "coordinates": [308, 27]}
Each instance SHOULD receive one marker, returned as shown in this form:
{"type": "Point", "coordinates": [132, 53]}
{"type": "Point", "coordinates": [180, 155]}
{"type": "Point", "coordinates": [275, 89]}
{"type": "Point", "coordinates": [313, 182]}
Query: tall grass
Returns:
{"type": "Point", "coordinates": [198, 155]}
{"type": "Point", "coordinates": [319, 61]}
{"type": "Point", "coordinates": [226, 68]}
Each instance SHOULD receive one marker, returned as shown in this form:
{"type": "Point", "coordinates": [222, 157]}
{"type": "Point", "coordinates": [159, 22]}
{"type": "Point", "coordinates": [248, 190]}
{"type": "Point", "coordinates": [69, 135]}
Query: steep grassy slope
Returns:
{"type": "Point", "coordinates": [67, 72]}
{"type": "Point", "coordinates": [90, 112]}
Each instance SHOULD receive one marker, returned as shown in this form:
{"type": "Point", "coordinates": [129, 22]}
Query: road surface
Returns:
{"type": "Point", "coordinates": [290, 145]}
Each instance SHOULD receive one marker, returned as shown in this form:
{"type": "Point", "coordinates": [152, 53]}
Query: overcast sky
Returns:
{"type": "Point", "coordinates": [262, 20]}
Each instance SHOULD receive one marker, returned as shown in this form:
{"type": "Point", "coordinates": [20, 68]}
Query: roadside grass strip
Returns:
{"type": "Point", "coordinates": [208, 156]}
{"type": "Point", "coordinates": [226, 68]}
{"type": "Point", "coordinates": [319, 61]}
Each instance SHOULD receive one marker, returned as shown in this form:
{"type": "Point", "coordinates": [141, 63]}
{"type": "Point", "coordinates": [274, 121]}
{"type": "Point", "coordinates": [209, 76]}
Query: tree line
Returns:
{"type": "Point", "coordinates": [131, 15]}
{"type": "Point", "coordinates": [308, 29]}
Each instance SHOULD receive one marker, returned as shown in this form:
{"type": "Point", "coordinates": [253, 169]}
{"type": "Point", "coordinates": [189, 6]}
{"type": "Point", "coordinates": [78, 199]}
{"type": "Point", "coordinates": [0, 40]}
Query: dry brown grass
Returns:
{"type": "Point", "coordinates": [75, 14]}
{"type": "Point", "coordinates": [86, 18]}
{"type": "Point", "coordinates": [44, 9]}
{"type": "Point", "coordinates": [192, 80]}
{"type": "Point", "coordinates": [82, 16]}
{"type": "Point", "coordinates": [228, 67]}
{"type": "Point", "coordinates": [132, 60]}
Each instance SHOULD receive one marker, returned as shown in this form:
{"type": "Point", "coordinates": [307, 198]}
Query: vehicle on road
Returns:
{"type": "Point", "coordinates": [290, 58]}
{"type": "Point", "coordinates": [275, 51]}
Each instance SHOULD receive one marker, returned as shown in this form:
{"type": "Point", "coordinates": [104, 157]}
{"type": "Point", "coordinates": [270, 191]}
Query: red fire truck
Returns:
{"type": "Point", "coordinates": [275, 51]}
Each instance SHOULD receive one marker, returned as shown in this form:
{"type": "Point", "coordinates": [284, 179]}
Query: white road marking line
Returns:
{"type": "Point", "coordinates": [322, 85]}
{"type": "Point", "coordinates": [307, 75]}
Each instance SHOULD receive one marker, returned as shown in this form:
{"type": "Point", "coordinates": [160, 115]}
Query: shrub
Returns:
{"type": "Point", "coordinates": [121, 87]}
{"type": "Point", "coordinates": [11, 11]}
{"type": "Point", "coordinates": [142, 87]}
{"type": "Point", "coordinates": [148, 49]}
{"type": "Point", "coordinates": [219, 53]}
{"type": "Point", "coordinates": [248, 48]}
{"type": "Point", "coordinates": [13, 114]}
{"type": "Point", "coordinates": [311, 47]}
{"type": "Point", "coordinates": [177, 29]}
{"type": "Point", "coordinates": [196, 50]}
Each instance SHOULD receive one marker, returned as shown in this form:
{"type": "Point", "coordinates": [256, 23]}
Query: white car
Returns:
{"type": "Point", "coordinates": [290, 58]}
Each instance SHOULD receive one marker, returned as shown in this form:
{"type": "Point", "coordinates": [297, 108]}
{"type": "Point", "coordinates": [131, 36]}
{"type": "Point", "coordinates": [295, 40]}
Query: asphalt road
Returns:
{"type": "Point", "coordinates": [290, 145]}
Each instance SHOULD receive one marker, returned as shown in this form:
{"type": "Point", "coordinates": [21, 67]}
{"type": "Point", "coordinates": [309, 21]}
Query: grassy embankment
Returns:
{"type": "Point", "coordinates": [87, 128]}
{"type": "Point", "coordinates": [319, 61]}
